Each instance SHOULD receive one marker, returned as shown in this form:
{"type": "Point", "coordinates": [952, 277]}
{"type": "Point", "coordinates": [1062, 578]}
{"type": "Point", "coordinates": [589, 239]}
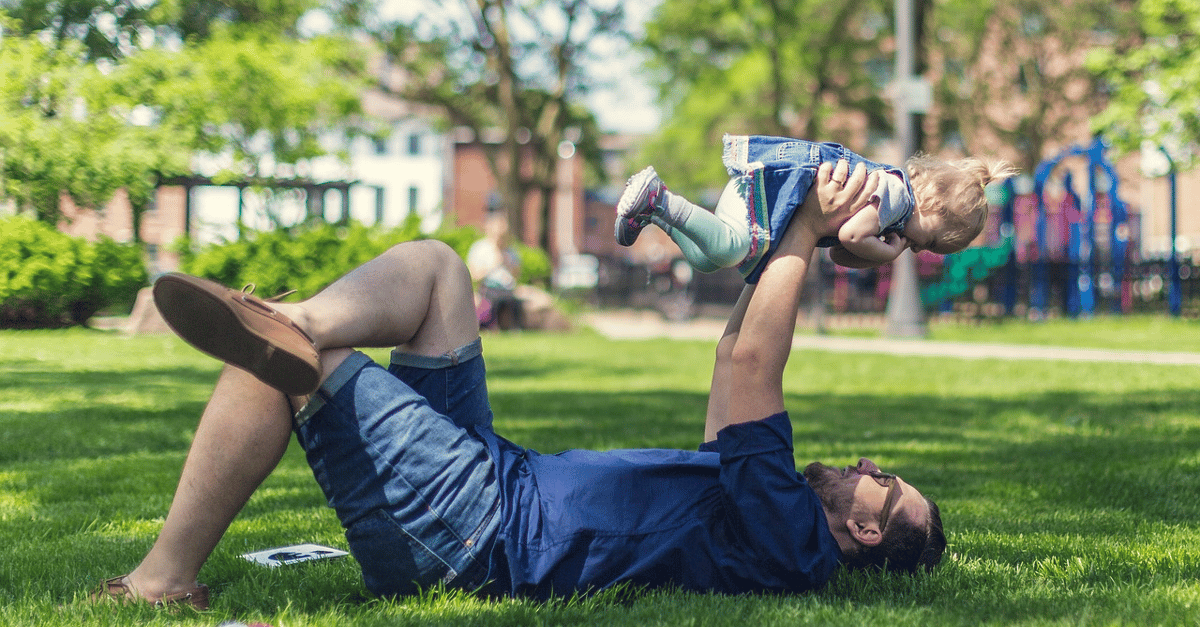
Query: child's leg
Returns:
{"type": "Point", "coordinates": [693, 253]}
{"type": "Point", "coordinates": [721, 238]}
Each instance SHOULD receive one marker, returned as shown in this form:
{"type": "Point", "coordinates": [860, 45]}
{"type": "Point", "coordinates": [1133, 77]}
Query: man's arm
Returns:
{"type": "Point", "coordinates": [718, 391]}
{"type": "Point", "coordinates": [748, 374]}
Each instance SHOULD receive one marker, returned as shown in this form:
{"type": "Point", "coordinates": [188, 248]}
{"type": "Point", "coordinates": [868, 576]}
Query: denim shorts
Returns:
{"type": "Point", "coordinates": [398, 457]}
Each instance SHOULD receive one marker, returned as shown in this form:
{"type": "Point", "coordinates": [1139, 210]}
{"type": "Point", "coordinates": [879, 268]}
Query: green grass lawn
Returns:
{"type": "Point", "coordinates": [1135, 333]}
{"type": "Point", "coordinates": [1070, 492]}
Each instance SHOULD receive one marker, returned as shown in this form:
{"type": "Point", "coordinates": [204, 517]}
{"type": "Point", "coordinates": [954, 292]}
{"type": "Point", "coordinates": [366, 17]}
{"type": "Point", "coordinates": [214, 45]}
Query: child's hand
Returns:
{"type": "Point", "coordinates": [896, 242]}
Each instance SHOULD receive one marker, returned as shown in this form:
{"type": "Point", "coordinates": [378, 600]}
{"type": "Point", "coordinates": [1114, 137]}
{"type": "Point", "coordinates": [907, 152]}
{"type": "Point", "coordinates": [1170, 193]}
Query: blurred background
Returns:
{"type": "Point", "coordinates": [256, 140]}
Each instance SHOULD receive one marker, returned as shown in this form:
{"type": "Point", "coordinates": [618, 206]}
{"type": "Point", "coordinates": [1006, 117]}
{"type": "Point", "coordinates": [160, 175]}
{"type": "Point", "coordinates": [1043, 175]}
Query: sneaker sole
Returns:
{"type": "Point", "coordinates": [625, 233]}
{"type": "Point", "coordinates": [203, 315]}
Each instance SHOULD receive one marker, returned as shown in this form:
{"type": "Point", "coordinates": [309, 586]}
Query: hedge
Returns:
{"type": "Point", "coordinates": [307, 258]}
{"type": "Point", "coordinates": [49, 279]}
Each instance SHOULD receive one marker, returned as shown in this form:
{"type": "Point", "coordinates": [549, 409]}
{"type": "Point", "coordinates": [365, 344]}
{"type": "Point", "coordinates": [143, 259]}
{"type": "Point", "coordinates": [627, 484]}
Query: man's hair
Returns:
{"type": "Point", "coordinates": [907, 546]}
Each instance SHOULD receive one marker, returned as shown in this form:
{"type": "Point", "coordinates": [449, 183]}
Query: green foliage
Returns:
{"type": "Point", "coordinates": [64, 128]}
{"type": "Point", "coordinates": [1155, 98]}
{"type": "Point", "coordinates": [535, 264]}
{"type": "Point", "coordinates": [47, 149]}
{"type": "Point", "coordinates": [111, 29]}
{"type": "Point", "coordinates": [757, 67]}
{"type": "Point", "coordinates": [83, 21]}
{"type": "Point", "coordinates": [48, 279]}
{"type": "Point", "coordinates": [306, 258]}
{"type": "Point", "coordinates": [262, 99]}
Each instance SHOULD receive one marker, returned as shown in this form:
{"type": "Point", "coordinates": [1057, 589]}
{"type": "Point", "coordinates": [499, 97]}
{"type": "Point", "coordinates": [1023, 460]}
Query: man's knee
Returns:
{"type": "Point", "coordinates": [434, 256]}
{"type": "Point", "coordinates": [424, 250]}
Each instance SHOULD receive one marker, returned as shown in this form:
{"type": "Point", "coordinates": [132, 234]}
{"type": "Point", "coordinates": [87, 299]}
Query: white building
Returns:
{"type": "Point", "coordinates": [391, 178]}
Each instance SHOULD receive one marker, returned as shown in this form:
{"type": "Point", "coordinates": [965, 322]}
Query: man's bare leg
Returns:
{"type": "Point", "coordinates": [416, 295]}
{"type": "Point", "coordinates": [241, 437]}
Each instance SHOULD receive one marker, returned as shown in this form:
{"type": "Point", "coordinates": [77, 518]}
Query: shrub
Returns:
{"type": "Point", "coordinates": [49, 279]}
{"type": "Point", "coordinates": [307, 258]}
{"type": "Point", "coordinates": [535, 265]}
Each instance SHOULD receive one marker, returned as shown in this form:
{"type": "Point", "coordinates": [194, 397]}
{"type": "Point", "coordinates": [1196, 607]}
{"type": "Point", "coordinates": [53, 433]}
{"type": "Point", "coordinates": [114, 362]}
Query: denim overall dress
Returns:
{"type": "Point", "coordinates": [774, 174]}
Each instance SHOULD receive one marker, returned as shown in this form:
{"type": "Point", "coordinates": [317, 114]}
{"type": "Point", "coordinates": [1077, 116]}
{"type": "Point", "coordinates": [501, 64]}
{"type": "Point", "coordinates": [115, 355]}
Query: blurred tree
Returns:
{"type": "Point", "coordinates": [105, 28]}
{"type": "Point", "coordinates": [762, 67]}
{"type": "Point", "coordinates": [1013, 73]}
{"type": "Point", "coordinates": [263, 102]}
{"type": "Point", "coordinates": [516, 66]}
{"type": "Point", "coordinates": [1155, 95]}
{"type": "Point", "coordinates": [1005, 74]}
{"type": "Point", "coordinates": [54, 140]}
{"type": "Point", "coordinates": [111, 29]}
{"type": "Point", "coordinates": [260, 104]}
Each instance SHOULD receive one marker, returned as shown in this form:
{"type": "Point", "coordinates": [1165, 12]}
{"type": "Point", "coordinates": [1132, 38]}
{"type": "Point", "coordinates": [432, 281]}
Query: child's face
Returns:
{"type": "Point", "coordinates": [922, 231]}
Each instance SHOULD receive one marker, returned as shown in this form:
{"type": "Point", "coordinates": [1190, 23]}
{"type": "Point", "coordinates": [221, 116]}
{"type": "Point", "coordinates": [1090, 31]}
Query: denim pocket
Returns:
{"type": "Point", "coordinates": [394, 562]}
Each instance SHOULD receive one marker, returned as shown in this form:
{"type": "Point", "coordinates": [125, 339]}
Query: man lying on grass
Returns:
{"type": "Point", "coordinates": [428, 493]}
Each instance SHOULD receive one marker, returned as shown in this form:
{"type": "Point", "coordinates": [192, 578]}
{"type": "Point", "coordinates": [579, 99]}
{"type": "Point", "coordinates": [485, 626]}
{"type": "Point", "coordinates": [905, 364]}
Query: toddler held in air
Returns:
{"type": "Point", "coordinates": [930, 204]}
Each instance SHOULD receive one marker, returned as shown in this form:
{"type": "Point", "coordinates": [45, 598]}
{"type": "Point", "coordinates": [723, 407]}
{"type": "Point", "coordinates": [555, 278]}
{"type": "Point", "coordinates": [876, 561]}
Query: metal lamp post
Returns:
{"type": "Point", "coordinates": [1175, 290]}
{"type": "Point", "coordinates": [905, 315]}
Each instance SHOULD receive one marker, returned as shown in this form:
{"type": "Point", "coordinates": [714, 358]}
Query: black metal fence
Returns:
{"type": "Point", "coordinates": [677, 292]}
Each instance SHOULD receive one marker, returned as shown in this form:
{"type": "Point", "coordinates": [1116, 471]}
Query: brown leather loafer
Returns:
{"type": "Point", "coordinates": [240, 329]}
{"type": "Point", "coordinates": [117, 590]}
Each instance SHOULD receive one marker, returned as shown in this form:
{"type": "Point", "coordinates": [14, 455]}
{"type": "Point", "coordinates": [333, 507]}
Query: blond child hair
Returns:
{"type": "Point", "coordinates": [954, 191]}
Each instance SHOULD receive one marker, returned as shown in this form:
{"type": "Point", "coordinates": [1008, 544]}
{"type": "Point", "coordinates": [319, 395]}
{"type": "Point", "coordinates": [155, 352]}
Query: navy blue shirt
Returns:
{"type": "Point", "coordinates": [733, 517]}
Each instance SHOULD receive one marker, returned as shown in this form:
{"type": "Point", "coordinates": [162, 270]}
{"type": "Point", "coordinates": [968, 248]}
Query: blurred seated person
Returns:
{"type": "Point", "coordinates": [494, 266]}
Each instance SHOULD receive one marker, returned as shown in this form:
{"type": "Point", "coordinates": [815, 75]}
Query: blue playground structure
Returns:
{"type": "Point", "coordinates": [1081, 298]}
{"type": "Point", "coordinates": [1064, 247]}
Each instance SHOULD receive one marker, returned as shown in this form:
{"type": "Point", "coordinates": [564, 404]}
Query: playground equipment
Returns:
{"type": "Point", "coordinates": [1080, 293]}
{"type": "Point", "coordinates": [1033, 232]}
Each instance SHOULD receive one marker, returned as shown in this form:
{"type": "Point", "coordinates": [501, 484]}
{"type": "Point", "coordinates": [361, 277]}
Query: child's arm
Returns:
{"type": "Point", "coordinates": [847, 259]}
{"type": "Point", "coordinates": [859, 236]}
{"type": "Point", "coordinates": [843, 257]}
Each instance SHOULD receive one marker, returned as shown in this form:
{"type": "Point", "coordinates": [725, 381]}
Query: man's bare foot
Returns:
{"type": "Point", "coordinates": [122, 590]}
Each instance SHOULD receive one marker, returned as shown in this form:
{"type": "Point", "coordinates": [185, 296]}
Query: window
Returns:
{"type": "Point", "coordinates": [414, 144]}
{"type": "Point", "coordinates": [379, 198]}
{"type": "Point", "coordinates": [413, 196]}
{"type": "Point", "coordinates": [380, 146]}
{"type": "Point", "coordinates": [152, 258]}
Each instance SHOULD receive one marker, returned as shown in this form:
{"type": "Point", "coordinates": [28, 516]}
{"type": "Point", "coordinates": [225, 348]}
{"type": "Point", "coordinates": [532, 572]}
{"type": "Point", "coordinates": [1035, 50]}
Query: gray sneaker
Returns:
{"type": "Point", "coordinates": [638, 203]}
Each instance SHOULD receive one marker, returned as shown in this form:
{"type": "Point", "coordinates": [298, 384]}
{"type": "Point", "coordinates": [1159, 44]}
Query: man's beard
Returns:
{"type": "Point", "coordinates": [824, 481]}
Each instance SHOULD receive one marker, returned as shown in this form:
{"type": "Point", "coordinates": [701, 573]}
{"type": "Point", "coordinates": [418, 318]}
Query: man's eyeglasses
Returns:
{"type": "Point", "coordinates": [890, 482]}
{"type": "Point", "coordinates": [886, 479]}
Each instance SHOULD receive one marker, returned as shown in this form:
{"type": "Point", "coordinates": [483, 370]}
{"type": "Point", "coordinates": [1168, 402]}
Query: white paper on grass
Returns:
{"type": "Point", "coordinates": [293, 554]}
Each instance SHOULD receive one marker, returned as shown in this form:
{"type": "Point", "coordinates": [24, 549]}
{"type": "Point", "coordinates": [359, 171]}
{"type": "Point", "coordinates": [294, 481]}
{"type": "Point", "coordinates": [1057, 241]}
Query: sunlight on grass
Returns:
{"type": "Point", "coordinates": [1137, 333]}
{"type": "Point", "coordinates": [15, 502]}
{"type": "Point", "coordinates": [1070, 492]}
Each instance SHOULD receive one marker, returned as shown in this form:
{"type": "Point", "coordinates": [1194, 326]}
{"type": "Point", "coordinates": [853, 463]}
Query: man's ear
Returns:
{"type": "Point", "coordinates": [865, 533]}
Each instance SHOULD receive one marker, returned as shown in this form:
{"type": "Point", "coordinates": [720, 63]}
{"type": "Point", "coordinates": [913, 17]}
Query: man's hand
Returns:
{"type": "Point", "coordinates": [839, 195]}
